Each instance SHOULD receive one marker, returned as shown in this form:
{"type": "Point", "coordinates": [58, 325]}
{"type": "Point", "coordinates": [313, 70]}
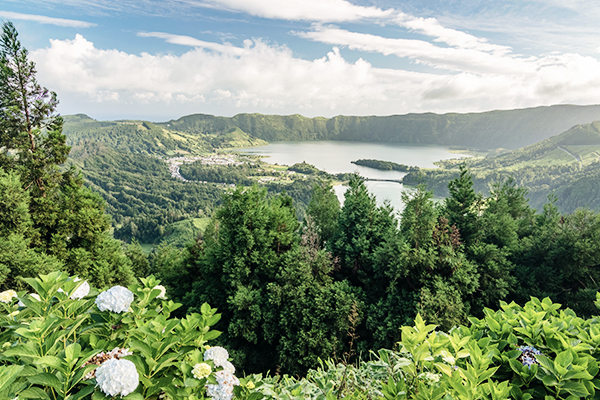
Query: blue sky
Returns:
{"type": "Point", "coordinates": [157, 60]}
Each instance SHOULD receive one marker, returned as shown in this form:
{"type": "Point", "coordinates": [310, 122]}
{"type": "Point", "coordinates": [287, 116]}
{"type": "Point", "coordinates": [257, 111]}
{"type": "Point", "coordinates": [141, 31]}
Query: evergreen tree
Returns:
{"type": "Point", "coordinates": [479, 223]}
{"type": "Point", "coordinates": [324, 209]}
{"type": "Point", "coordinates": [560, 260]}
{"type": "Point", "coordinates": [362, 229]}
{"type": "Point", "coordinates": [68, 222]}
{"type": "Point", "coordinates": [242, 251]}
{"type": "Point", "coordinates": [462, 206]}
{"type": "Point", "coordinates": [29, 125]}
{"type": "Point", "coordinates": [433, 265]}
{"type": "Point", "coordinates": [309, 316]}
{"type": "Point", "coordinates": [17, 259]}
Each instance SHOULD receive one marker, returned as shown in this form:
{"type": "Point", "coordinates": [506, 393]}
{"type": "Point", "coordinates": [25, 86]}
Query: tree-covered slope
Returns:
{"type": "Point", "coordinates": [566, 165]}
{"type": "Point", "coordinates": [132, 136]}
{"type": "Point", "coordinates": [508, 129]}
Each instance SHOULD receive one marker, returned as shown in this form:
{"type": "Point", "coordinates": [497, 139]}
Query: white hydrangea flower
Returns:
{"type": "Point", "coordinates": [227, 366]}
{"type": "Point", "coordinates": [117, 377]}
{"type": "Point", "coordinates": [81, 291]}
{"type": "Point", "coordinates": [7, 296]}
{"type": "Point", "coordinates": [201, 370]}
{"type": "Point", "coordinates": [224, 390]}
{"type": "Point", "coordinates": [116, 299]}
{"type": "Point", "coordinates": [34, 295]}
{"type": "Point", "coordinates": [163, 291]}
{"type": "Point", "coordinates": [217, 354]}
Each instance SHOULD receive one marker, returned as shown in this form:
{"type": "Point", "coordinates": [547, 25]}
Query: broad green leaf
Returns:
{"type": "Point", "coordinates": [576, 389]}
{"type": "Point", "coordinates": [8, 374]}
{"type": "Point", "coordinates": [33, 393]}
{"type": "Point", "coordinates": [46, 379]}
{"type": "Point", "coordinates": [549, 380]}
{"type": "Point", "coordinates": [23, 350]}
{"type": "Point", "coordinates": [98, 395]}
{"type": "Point", "coordinates": [546, 363]}
{"type": "Point", "coordinates": [50, 361]}
{"type": "Point", "coordinates": [564, 359]}
{"type": "Point", "coordinates": [212, 335]}
{"type": "Point", "coordinates": [134, 396]}
{"type": "Point", "coordinates": [191, 382]}
{"type": "Point", "coordinates": [83, 392]}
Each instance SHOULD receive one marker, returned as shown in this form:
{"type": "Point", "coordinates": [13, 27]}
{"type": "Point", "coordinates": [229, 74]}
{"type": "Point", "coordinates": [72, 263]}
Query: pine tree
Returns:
{"type": "Point", "coordinates": [67, 220]}
{"type": "Point", "coordinates": [463, 205]}
{"type": "Point", "coordinates": [433, 265]}
{"type": "Point", "coordinates": [324, 209]}
{"type": "Point", "coordinates": [29, 125]}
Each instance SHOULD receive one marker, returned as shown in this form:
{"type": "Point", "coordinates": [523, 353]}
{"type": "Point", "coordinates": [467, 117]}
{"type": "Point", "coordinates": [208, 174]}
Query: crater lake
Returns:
{"type": "Point", "coordinates": [336, 157]}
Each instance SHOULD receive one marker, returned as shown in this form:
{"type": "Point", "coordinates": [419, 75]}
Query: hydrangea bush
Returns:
{"type": "Point", "coordinates": [67, 341]}
{"type": "Point", "coordinates": [535, 351]}
{"type": "Point", "coordinates": [123, 342]}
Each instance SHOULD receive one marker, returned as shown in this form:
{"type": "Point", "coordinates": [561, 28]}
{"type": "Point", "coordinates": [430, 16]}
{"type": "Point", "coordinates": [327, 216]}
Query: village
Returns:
{"type": "Point", "coordinates": [176, 162]}
{"type": "Point", "coordinates": [218, 159]}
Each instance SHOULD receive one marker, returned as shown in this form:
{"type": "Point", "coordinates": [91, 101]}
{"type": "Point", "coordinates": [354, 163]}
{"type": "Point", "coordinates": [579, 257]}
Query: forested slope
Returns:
{"type": "Point", "coordinates": [125, 162]}
{"type": "Point", "coordinates": [507, 129]}
{"type": "Point", "coordinates": [566, 165]}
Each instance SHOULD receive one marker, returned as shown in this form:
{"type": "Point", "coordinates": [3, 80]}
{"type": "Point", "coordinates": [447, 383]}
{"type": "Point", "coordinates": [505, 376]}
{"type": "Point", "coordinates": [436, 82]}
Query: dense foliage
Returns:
{"type": "Point", "coordinates": [447, 261]}
{"type": "Point", "coordinates": [535, 351]}
{"type": "Point", "coordinates": [142, 197]}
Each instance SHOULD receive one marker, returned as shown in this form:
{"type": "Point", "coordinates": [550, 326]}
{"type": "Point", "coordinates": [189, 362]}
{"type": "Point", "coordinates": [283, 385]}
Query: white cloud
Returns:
{"type": "Point", "coordinates": [294, 10]}
{"type": "Point", "coordinates": [451, 58]}
{"type": "Point", "coordinates": [46, 20]}
{"type": "Point", "coordinates": [432, 27]}
{"type": "Point", "coordinates": [193, 42]}
{"type": "Point", "coordinates": [298, 10]}
{"type": "Point", "coordinates": [264, 78]}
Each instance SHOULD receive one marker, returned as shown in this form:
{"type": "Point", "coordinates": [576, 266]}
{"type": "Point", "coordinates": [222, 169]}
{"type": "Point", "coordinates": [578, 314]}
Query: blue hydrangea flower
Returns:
{"type": "Point", "coordinates": [527, 356]}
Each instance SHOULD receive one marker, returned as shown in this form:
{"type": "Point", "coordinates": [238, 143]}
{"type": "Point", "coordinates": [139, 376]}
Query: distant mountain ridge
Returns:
{"type": "Point", "coordinates": [509, 129]}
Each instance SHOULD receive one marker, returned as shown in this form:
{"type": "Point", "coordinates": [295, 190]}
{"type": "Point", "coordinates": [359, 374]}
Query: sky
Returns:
{"type": "Point", "coordinates": [160, 60]}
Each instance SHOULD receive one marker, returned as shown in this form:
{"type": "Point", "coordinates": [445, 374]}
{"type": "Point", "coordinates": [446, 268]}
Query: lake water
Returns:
{"type": "Point", "coordinates": [336, 156]}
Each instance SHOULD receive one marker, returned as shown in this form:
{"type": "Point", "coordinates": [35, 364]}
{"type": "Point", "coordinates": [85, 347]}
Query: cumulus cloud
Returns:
{"type": "Point", "coordinates": [260, 77]}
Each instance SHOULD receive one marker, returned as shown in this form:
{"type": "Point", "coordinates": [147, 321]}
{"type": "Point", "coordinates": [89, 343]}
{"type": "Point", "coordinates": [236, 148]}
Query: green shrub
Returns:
{"type": "Point", "coordinates": [53, 346]}
{"type": "Point", "coordinates": [537, 351]}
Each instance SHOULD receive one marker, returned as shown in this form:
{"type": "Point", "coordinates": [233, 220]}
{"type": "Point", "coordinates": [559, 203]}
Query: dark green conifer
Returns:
{"type": "Point", "coordinates": [68, 221]}
{"type": "Point", "coordinates": [324, 209]}
{"type": "Point", "coordinates": [463, 205]}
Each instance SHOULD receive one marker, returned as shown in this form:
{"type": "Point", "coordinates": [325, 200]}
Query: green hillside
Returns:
{"type": "Point", "coordinates": [127, 163]}
{"type": "Point", "coordinates": [566, 165]}
{"type": "Point", "coordinates": [144, 137]}
{"type": "Point", "coordinates": [508, 129]}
